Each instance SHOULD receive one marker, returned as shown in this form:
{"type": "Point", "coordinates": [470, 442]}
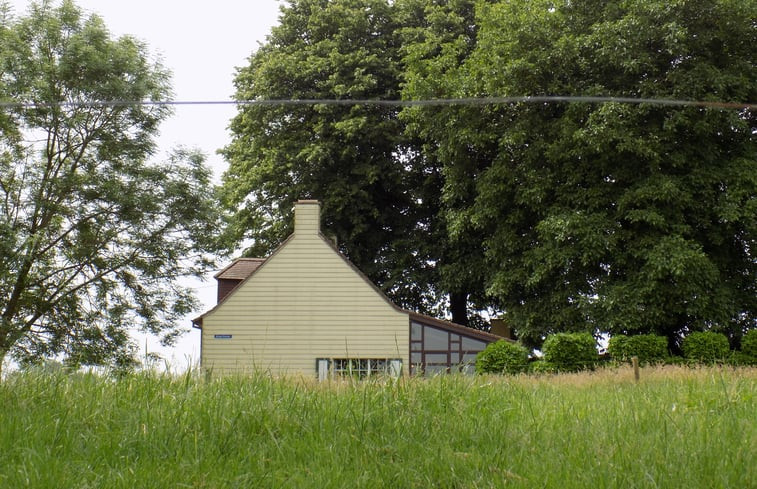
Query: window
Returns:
{"type": "Point", "coordinates": [469, 344]}
{"type": "Point", "coordinates": [322, 367]}
{"type": "Point", "coordinates": [436, 339]}
{"type": "Point", "coordinates": [359, 368]}
{"type": "Point", "coordinates": [435, 349]}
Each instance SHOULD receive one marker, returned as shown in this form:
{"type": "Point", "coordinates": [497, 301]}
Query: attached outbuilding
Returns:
{"type": "Point", "coordinates": [307, 310]}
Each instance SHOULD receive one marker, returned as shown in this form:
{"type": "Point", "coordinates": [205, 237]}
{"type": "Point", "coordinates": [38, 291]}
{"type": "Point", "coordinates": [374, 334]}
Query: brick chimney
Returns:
{"type": "Point", "coordinates": [500, 328]}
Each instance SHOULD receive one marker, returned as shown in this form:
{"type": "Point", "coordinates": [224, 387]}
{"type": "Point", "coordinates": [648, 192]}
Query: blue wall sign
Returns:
{"type": "Point", "coordinates": [222, 336]}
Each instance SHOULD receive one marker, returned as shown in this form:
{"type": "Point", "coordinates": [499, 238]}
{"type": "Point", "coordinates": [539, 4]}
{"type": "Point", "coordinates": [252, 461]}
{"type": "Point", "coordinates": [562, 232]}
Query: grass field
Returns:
{"type": "Point", "coordinates": [677, 428]}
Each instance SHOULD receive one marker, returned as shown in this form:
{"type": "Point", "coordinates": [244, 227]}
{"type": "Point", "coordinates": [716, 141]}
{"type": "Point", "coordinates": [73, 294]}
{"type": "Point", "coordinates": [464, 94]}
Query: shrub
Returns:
{"type": "Point", "coordinates": [649, 348]}
{"type": "Point", "coordinates": [502, 357]}
{"type": "Point", "coordinates": [706, 347]}
{"type": "Point", "coordinates": [749, 344]}
{"type": "Point", "coordinates": [740, 359]}
{"type": "Point", "coordinates": [571, 352]}
{"type": "Point", "coordinates": [541, 367]}
{"type": "Point", "coordinates": [675, 360]}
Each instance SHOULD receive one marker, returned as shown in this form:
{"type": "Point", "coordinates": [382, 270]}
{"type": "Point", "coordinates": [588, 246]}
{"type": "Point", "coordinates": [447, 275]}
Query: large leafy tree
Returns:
{"type": "Point", "coordinates": [436, 37]}
{"type": "Point", "coordinates": [354, 158]}
{"type": "Point", "coordinates": [611, 217]}
{"type": "Point", "coordinates": [381, 188]}
{"type": "Point", "coordinates": [92, 237]}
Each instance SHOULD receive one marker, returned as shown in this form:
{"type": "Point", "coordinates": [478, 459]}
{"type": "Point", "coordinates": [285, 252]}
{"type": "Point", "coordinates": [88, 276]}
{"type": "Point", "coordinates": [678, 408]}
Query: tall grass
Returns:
{"type": "Point", "coordinates": [676, 428]}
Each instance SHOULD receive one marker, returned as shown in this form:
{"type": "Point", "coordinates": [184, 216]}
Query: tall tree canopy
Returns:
{"type": "Point", "coordinates": [436, 37]}
{"type": "Point", "coordinates": [381, 194]}
{"type": "Point", "coordinates": [354, 158]}
{"type": "Point", "coordinates": [609, 217]}
{"type": "Point", "coordinates": [564, 216]}
{"type": "Point", "coordinates": [92, 236]}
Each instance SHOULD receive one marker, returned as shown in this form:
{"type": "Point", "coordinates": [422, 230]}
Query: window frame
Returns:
{"type": "Point", "coordinates": [453, 358]}
{"type": "Point", "coordinates": [359, 368]}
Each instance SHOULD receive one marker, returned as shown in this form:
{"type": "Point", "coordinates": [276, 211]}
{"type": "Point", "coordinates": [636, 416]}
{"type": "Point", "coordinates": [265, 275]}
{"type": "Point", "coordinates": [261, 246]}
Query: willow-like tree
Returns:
{"type": "Point", "coordinates": [608, 217]}
{"type": "Point", "coordinates": [92, 237]}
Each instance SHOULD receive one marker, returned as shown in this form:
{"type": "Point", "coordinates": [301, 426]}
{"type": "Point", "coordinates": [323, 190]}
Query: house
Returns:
{"type": "Point", "coordinates": [306, 309]}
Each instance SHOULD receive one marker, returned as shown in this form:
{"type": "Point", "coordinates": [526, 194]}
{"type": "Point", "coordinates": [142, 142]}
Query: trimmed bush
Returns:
{"type": "Point", "coordinates": [571, 352]}
{"type": "Point", "coordinates": [749, 344]}
{"type": "Point", "coordinates": [676, 360]}
{"type": "Point", "coordinates": [649, 348]}
{"type": "Point", "coordinates": [706, 347]}
{"type": "Point", "coordinates": [541, 367]}
{"type": "Point", "coordinates": [502, 357]}
{"type": "Point", "coordinates": [740, 359]}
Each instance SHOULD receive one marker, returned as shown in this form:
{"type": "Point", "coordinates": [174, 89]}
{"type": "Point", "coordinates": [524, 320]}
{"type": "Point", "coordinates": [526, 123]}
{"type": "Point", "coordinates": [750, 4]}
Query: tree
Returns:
{"type": "Point", "coordinates": [93, 237]}
{"type": "Point", "coordinates": [605, 217]}
{"type": "Point", "coordinates": [381, 189]}
{"type": "Point", "coordinates": [436, 37]}
{"type": "Point", "coordinates": [355, 158]}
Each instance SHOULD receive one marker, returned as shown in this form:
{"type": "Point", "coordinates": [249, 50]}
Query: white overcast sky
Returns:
{"type": "Point", "coordinates": [201, 42]}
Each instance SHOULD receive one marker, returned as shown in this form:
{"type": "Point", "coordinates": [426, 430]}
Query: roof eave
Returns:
{"type": "Point", "coordinates": [237, 286]}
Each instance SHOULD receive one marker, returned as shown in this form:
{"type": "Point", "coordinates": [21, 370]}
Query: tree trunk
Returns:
{"type": "Point", "coordinates": [674, 344]}
{"type": "Point", "coordinates": [458, 305]}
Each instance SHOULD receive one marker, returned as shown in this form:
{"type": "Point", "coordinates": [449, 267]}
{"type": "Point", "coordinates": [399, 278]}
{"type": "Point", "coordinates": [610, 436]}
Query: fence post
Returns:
{"type": "Point", "coordinates": [635, 363]}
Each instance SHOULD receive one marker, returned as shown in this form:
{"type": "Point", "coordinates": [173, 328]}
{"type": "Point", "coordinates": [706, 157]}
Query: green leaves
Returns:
{"type": "Point", "coordinates": [355, 159]}
{"type": "Point", "coordinates": [706, 347]}
{"type": "Point", "coordinates": [502, 357]}
{"type": "Point", "coordinates": [571, 352]}
{"type": "Point", "coordinates": [609, 217]}
{"type": "Point", "coordinates": [96, 236]}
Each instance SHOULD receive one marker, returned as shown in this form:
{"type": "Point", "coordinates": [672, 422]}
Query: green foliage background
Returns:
{"type": "Point", "coordinates": [600, 217]}
{"type": "Point", "coordinates": [94, 236]}
{"type": "Point", "coordinates": [624, 218]}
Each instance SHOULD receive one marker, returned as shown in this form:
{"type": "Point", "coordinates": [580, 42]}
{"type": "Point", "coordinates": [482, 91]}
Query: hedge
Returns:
{"type": "Point", "coordinates": [749, 344]}
{"type": "Point", "coordinates": [571, 352]}
{"type": "Point", "coordinates": [649, 348]}
{"type": "Point", "coordinates": [706, 347]}
{"type": "Point", "coordinates": [502, 357]}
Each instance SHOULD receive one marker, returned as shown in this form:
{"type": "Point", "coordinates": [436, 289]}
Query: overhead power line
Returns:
{"type": "Point", "coordinates": [394, 103]}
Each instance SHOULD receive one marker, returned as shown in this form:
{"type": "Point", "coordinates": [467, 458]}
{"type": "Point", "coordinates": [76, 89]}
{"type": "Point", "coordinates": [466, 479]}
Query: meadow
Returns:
{"type": "Point", "coordinates": [677, 427]}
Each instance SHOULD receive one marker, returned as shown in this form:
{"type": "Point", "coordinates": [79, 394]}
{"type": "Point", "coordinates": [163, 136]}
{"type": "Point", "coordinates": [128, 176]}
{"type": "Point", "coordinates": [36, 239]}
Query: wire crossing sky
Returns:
{"type": "Point", "coordinates": [393, 103]}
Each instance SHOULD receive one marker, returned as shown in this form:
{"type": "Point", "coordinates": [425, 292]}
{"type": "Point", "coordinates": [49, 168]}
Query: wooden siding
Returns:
{"type": "Point", "coordinates": [305, 302]}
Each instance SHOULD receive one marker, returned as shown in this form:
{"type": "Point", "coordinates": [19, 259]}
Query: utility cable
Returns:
{"type": "Point", "coordinates": [535, 99]}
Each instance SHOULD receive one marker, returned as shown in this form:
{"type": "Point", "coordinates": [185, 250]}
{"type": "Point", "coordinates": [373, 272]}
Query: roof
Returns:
{"type": "Point", "coordinates": [197, 322]}
{"type": "Point", "coordinates": [239, 269]}
{"type": "Point", "coordinates": [456, 328]}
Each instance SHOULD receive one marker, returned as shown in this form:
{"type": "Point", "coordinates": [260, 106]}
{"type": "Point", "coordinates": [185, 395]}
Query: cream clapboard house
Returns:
{"type": "Point", "coordinates": [307, 310]}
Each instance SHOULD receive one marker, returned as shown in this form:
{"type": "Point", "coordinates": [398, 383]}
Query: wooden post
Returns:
{"type": "Point", "coordinates": [635, 363]}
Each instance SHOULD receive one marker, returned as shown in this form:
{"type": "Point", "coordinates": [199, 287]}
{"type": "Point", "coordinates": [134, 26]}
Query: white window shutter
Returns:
{"type": "Point", "coordinates": [322, 365]}
{"type": "Point", "coordinates": [395, 367]}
